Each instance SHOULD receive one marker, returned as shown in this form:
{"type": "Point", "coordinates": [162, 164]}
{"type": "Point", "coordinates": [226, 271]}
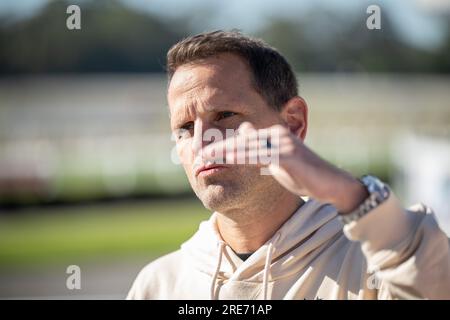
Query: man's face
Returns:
{"type": "Point", "coordinates": [217, 93]}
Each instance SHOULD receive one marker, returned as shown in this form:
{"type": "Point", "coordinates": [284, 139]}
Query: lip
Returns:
{"type": "Point", "coordinates": [208, 167]}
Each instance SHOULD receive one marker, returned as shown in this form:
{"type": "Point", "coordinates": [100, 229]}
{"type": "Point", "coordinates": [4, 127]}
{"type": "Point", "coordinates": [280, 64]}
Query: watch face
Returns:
{"type": "Point", "coordinates": [373, 184]}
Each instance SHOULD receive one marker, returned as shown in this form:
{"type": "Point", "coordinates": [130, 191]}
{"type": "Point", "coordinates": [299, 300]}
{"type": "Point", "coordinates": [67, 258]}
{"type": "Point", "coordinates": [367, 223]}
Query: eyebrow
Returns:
{"type": "Point", "coordinates": [186, 112]}
{"type": "Point", "coordinates": [211, 108]}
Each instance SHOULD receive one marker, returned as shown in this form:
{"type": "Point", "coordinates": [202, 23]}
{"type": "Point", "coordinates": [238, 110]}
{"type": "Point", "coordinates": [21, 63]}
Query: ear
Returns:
{"type": "Point", "coordinates": [295, 115]}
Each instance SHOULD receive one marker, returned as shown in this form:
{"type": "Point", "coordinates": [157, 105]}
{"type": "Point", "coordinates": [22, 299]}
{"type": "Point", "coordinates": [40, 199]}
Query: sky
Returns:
{"type": "Point", "coordinates": [417, 20]}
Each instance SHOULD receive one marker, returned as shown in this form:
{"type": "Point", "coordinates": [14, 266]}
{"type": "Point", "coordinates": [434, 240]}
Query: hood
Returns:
{"type": "Point", "coordinates": [290, 249]}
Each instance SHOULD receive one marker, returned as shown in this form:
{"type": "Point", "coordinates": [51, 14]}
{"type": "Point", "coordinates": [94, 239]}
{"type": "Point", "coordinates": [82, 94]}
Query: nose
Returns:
{"type": "Point", "coordinates": [204, 134]}
{"type": "Point", "coordinates": [197, 141]}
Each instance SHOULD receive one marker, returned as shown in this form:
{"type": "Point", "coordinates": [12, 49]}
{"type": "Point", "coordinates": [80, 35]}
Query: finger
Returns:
{"type": "Point", "coordinates": [246, 144]}
{"type": "Point", "coordinates": [246, 127]}
{"type": "Point", "coordinates": [216, 151]}
{"type": "Point", "coordinates": [252, 158]}
{"type": "Point", "coordinates": [252, 142]}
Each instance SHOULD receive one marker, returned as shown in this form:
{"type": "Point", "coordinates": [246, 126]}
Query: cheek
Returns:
{"type": "Point", "coordinates": [185, 153]}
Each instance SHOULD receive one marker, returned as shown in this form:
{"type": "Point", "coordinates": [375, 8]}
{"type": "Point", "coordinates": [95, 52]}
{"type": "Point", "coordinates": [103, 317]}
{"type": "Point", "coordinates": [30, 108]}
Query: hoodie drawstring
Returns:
{"type": "Point", "coordinates": [216, 273]}
{"type": "Point", "coordinates": [270, 251]}
{"type": "Point", "coordinates": [267, 269]}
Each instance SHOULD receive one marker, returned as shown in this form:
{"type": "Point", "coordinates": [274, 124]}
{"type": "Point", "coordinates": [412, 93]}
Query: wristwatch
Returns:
{"type": "Point", "coordinates": [378, 193]}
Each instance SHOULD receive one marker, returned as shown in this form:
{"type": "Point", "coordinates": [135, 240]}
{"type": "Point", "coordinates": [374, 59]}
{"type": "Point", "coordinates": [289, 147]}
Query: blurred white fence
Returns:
{"type": "Point", "coordinates": [110, 133]}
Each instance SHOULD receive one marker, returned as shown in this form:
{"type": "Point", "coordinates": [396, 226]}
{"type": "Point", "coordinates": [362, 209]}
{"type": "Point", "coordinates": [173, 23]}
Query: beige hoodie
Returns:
{"type": "Point", "coordinates": [390, 253]}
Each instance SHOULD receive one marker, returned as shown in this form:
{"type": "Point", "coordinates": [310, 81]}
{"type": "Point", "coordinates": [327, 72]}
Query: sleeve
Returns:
{"type": "Point", "coordinates": [135, 292]}
{"type": "Point", "coordinates": [140, 288]}
{"type": "Point", "coordinates": [407, 250]}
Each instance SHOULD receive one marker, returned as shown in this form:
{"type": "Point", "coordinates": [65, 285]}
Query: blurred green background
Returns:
{"type": "Point", "coordinates": [87, 172]}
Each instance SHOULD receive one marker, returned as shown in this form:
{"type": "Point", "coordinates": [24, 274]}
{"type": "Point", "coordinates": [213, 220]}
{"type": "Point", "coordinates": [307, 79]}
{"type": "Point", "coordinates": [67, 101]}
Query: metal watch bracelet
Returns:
{"type": "Point", "coordinates": [378, 193]}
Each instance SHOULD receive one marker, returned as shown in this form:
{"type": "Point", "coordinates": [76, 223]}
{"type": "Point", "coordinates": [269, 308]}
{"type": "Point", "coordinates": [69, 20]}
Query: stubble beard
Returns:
{"type": "Point", "coordinates": [239, 188]}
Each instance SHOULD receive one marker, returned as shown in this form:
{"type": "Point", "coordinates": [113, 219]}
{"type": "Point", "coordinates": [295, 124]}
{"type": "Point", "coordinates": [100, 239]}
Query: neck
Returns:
{"type": "Point", "coordinates": [247, 228]}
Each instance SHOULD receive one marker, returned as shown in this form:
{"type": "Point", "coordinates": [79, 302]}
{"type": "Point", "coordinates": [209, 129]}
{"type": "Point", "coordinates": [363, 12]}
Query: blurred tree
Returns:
{"type": "Point", "coordinates": [115, 38]}
{"type": "Point", "coordinates": [112, 38]}
{"type": "Point", "coordinates": [328, 41]}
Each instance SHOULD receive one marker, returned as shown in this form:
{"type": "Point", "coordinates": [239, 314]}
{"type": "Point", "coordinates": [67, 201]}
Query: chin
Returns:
{"type": "Point", "coordinates": [218, 197]}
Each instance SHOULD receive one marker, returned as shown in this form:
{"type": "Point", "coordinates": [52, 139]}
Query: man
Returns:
{"type": "Point", "coordinates": [350, 240]}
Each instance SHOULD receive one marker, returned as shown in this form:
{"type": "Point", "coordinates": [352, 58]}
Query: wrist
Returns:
{"type": "Point", "coordinates": [349, 196]}
{"type": "Point", "coordinates": [378, 193]}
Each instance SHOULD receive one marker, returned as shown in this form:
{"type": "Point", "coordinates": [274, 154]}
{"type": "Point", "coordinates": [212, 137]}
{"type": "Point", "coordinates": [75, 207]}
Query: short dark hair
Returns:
{"type": "Point", "coordinates": [272, 75]}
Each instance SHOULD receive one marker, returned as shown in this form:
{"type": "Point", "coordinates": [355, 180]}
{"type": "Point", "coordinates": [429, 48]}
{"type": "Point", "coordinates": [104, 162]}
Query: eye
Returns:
{"type": "Point", "coordinates": [185, 129]}
{"type": "Point", "coordinates": [225, 114]}
{"type": "Point", "coordinates": [187, 126]}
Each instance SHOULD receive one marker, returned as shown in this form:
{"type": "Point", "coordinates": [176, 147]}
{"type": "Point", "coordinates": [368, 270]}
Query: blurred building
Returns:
{"type": "Point", "coordinates": [423, 172]}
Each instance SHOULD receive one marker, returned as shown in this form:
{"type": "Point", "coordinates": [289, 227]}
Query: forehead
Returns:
{"type": "Point", "coordinates": [225, 77]}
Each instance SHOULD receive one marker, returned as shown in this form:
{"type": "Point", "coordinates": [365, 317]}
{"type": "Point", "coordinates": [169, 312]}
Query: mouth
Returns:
{"type": "Point", "coordinates": [209, 169]}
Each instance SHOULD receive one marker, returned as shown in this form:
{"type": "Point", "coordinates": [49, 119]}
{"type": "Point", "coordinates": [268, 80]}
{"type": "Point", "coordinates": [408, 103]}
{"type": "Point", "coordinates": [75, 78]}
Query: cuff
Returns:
{"type": "Point", "coordinates": [384, 227]}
